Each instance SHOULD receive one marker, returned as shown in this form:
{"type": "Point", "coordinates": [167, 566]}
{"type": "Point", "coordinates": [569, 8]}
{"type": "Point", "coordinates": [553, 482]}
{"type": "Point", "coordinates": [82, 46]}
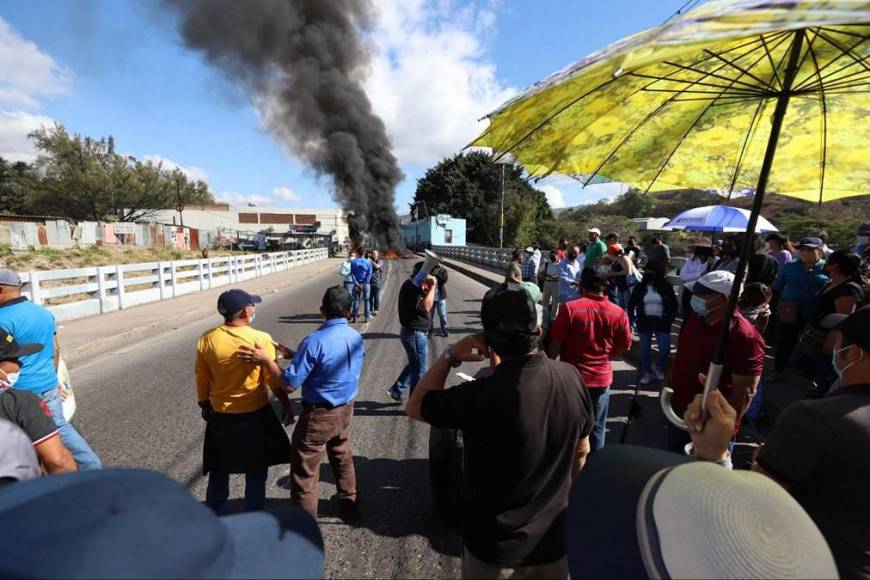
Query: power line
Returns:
{"type": "Point", "coordinates": [687, 5]}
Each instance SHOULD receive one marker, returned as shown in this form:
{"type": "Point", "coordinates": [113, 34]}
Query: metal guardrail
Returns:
{"type": "Point", "coordinates": [102, 289]}
{"type": "Point", "coordinates": [499, 258]}
{"type": "Point", "coordinates": [493, 257]}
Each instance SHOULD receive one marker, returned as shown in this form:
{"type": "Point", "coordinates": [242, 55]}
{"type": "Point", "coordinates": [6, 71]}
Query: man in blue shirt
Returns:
{"type": "Point", "coordinates": [327, 368]}
{"type": "Point", "coordinates": [569, 276]}
{"type": "Point", "coordinates": [30, 323]}
{"type": "Point", "coordinates": [361, 271]}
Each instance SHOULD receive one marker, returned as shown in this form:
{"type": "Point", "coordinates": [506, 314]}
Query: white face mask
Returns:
{"type": "Point", "coordinates": [10, 380]}
{"type": "Point", "coordinates": [837, 369]}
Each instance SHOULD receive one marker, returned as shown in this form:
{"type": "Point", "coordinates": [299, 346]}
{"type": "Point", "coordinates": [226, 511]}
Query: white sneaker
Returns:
{"type": "Point", "coordinates": [646, 379]}
{"type": "Point", "coordinates": [660, 375]}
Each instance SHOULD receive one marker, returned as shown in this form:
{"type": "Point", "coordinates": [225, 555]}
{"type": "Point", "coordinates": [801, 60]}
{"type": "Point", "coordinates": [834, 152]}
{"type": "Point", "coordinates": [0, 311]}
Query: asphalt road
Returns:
{"type": "Point", "coordinates": [137, 408]}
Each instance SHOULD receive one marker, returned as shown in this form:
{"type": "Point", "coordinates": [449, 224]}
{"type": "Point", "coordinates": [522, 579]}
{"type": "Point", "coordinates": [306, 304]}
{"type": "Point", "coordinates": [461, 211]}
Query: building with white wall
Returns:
{"type": "Point", "coordinates": [254, 219]}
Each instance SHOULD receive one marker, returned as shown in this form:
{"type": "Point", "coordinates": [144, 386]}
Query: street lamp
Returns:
{"type": "Point", "coordinates": [502, 159]}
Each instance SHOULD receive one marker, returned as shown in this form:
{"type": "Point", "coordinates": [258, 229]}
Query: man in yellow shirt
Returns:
{"type": "Point", "coordinates": [242, 433]}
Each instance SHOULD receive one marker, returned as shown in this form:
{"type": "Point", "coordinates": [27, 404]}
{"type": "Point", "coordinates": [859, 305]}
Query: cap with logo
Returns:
{"type": "Point", "coordinates": [668, 516]}
{"type": "Point", "coordinates": [9, 348]}
{"type": "Point", "coordinates": [509, 310]}
{"type": "Point", "coordinates": [853, 326]}
{"type": "Point", "coordinates": [812, 243]}
{"type": "Point", "coordinates": [594, 231]}
{"type": "Point", "coordinates": [9, 278]}
{"type": "Point", "coordinates": [232, 301]}
{"type": "Point", "coordinates": [716, 282]}
{"type": "Point", "coordinates": [131, 523]}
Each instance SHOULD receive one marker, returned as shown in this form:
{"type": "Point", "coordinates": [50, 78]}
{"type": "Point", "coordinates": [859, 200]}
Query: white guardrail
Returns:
{"type": "Point", "coordinates": [79, 292]}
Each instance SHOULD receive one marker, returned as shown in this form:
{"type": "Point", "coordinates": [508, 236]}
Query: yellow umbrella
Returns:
{"type": "Point", "coordinates": [734, 95]}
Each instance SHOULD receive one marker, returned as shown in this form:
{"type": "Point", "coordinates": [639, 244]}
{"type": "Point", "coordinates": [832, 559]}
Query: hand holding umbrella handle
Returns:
{"type": "Point", "coordinates": [714, 374]}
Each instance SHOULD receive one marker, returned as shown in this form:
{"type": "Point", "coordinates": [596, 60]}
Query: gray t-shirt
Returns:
{"type": "Point", "coordinates": [514, 271]}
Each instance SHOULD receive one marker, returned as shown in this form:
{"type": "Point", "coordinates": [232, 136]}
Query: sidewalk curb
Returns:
{"type": "Point", "coordinates": [75, 353]}
{"type": "Point", "coordinates": [476, 276]}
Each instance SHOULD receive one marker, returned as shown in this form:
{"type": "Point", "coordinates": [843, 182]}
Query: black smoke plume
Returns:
{"type": "Point", "coordinates": [301, 62]}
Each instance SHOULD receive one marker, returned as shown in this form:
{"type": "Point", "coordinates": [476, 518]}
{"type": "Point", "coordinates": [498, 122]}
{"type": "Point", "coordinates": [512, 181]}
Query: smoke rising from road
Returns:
{"type": "Point", "coordinates": [301, 62]}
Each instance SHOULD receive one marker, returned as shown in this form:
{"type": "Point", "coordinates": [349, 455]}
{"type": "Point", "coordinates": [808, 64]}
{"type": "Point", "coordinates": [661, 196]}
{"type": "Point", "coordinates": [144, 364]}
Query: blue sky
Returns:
{"type": "Point", "coordinates": [116, 67]}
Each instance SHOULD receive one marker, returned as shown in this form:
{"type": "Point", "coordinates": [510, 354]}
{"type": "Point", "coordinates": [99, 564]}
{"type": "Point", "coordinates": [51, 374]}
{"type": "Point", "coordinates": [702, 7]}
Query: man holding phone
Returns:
{"type": "Point", "coordinates": [415, 303]}
{"type": "Point", "coordinates": [526, 433]}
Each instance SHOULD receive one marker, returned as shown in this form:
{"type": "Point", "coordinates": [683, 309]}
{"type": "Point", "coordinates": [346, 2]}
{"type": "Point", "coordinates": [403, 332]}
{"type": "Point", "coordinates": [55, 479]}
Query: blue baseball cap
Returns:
{"type": "Point", "coordinates": [232, 301]}
{"type": "Point", "coordinates": [814, 243]}
{"type": "Point", "coordinates": [134, 523]}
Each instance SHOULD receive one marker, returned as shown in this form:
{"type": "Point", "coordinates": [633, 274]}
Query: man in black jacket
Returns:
{"type": "Point", "coordinates": [440, 306]}
{"type": "Point", "coordinates": [526, 433]}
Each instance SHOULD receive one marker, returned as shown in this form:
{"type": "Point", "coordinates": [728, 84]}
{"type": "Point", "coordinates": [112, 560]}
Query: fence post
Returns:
{"type": "Point", "coordinates": [101, 287]}
{"type": "Point", "coordinates": [209, 263]}
{"type": "Point", "coordinates": [230, 264]}
{"type": "Point", "coordinates": [119, 277]}
{"type": "Point", "coordinates": [201, 274]}
{"type": "Point", "coordinates": [34, 288]}
{"type": "Point", "coordinates": [160, 281]}
{"type": "Point", "coordinates": [172, 273]}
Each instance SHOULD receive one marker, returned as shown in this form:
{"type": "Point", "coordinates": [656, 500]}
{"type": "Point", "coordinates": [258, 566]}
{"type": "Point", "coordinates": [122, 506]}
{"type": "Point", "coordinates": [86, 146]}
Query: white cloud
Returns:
{"type": "Point", "coordinates": [14, 128]}
{"type": "Point", "coordinates": [284, 193]}
{"type": "Point", "coordinates": [564, 191]}
{"type": "Point", "coordinates": [190, 171]}
{"type": "Point", "coordinates": [431, 78]}
{"type": "Point", "coordinates": [555, 196]}
{"type": "Point", "coordinates": [28, 72]}
{"type": "Point", "coordinates": [238, 199]}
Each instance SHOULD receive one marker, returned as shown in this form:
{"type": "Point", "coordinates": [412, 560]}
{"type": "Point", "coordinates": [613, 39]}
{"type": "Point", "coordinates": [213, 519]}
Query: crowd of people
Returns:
{"type": "Point", "coordinates": [534, 423]}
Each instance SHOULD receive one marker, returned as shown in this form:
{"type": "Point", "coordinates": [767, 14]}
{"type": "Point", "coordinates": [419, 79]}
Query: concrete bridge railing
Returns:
{"type": "Point", "coordinates": [497, 258]}
{"type": "Point", "coordinates": [78, 292]}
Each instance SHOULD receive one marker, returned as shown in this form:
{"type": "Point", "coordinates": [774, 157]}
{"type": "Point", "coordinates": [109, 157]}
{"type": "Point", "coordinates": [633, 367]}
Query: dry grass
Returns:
{"type": "Point", "coordinates": [46, 258]}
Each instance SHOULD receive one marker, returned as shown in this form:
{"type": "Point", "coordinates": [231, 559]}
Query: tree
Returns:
{"type": "Point", "coordinates": [13, 180]}
{"type": "Point", "coordinates": [470, 186]}
{"type": "Point", "coordinates": [85, 179]}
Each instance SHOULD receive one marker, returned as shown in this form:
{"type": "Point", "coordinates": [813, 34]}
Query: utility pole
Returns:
{"type": "Point", "coordinates": [501, 220]}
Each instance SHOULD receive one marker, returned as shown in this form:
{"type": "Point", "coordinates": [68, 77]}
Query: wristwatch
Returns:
{"type": "Point", "coordinates": [448, 356]}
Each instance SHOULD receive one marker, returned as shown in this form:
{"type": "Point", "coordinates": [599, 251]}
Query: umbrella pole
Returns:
{"type": "Point", "coordinates": [714, 373]}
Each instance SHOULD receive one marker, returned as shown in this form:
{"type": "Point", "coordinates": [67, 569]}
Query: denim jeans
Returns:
{"type": "Point", "coordinates": [350, 287]}
{"type": "Point", "coordinates": [664, 341]}
{"type": "Point", "coordinates": [375, 297]}
{"type": "Point", "coordinates": [72, 440]}
{"type": "Point", "coordinates": [600, 405]}
{"type": "Point", "coordinates": [218, 489]}
{"type": "Point", "coordinates": [365, 292]}
{"type": "Point", "coordinates": [440, 307]}
{"type": "Point", "coordinates": [416, 346]}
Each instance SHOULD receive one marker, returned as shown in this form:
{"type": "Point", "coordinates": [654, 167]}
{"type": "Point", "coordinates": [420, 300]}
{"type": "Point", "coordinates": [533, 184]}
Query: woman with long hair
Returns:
{"type": "Point", "coordinates": [842, 294]}
{"type": "Point", "coordinates": [780, 248]}
{"type": "Point", "coordinates": [653, 305]}
{"type": "Point", "coordinates": [730, 255]}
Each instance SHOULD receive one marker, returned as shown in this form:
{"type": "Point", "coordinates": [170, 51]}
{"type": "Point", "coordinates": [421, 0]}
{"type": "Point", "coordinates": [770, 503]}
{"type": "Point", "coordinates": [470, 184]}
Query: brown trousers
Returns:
{"type": "Point", "coordinates": [319, 430]}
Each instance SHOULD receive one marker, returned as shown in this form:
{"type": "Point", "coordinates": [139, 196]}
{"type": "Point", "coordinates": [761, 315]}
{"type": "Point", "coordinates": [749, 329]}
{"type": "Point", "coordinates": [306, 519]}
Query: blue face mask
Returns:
{"type": "Point", "coordinates": [699, 306]}
{"type": "Point", "coordinates": [837, 368]}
